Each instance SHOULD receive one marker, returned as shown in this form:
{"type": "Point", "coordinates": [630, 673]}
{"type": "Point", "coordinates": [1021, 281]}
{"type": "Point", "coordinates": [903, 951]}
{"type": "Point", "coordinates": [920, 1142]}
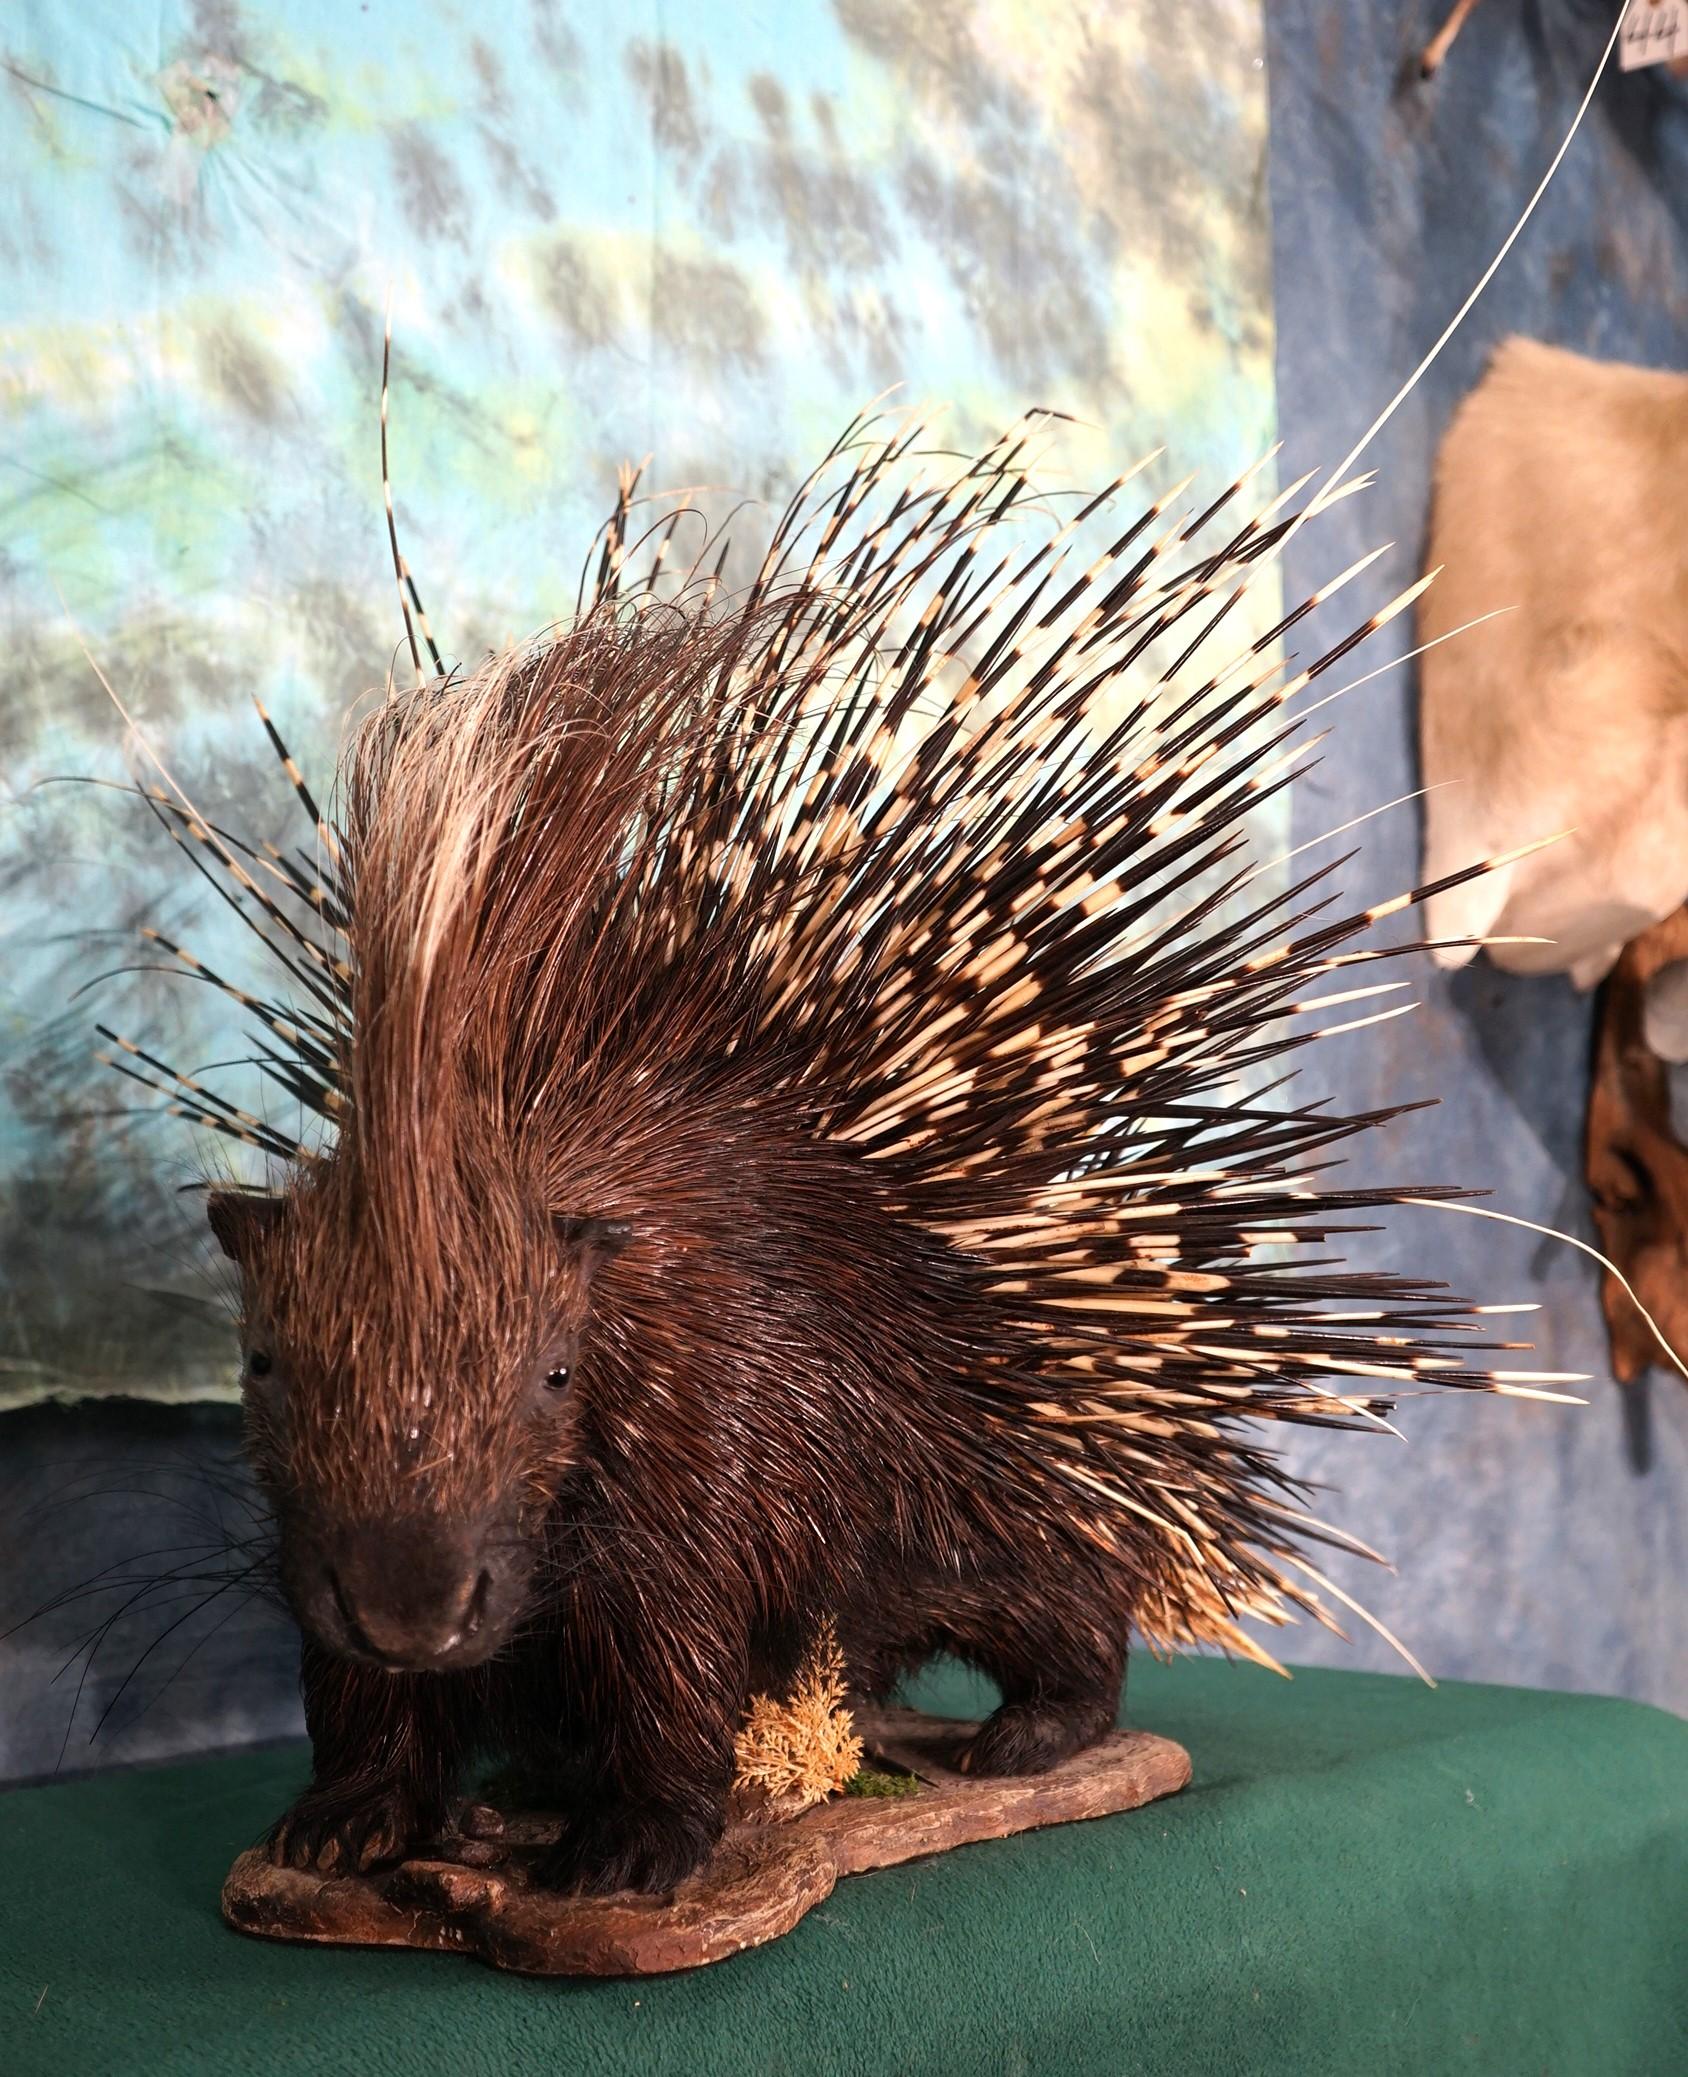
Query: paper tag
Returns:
{"type": "Point", "coordinates": [1653, 31]}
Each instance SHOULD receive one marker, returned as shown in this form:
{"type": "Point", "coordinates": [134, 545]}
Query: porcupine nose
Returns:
{"type": "Point", "coordinates": [411, 1597]}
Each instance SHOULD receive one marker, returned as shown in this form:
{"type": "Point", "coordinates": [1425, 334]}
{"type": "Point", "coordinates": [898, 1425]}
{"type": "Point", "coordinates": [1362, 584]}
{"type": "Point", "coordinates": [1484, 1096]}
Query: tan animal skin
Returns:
{"type": "Point", "coordinates": [1562, 493]}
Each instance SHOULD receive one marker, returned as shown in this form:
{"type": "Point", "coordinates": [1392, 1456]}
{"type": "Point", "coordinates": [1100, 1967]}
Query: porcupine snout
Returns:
{"type": "Point", "coordinates": [421, 1594]}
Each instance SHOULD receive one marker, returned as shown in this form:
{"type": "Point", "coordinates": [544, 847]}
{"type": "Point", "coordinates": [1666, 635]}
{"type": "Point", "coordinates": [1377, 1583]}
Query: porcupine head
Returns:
{"type": "Point", "coordinates": [414, 1303]}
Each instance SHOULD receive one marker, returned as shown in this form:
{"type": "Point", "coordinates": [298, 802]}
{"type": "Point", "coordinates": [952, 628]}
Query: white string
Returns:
{"type": "Point", "coordinates": [1333, 482]}
{"type": "Point", "coordinates": [1479, 1211]}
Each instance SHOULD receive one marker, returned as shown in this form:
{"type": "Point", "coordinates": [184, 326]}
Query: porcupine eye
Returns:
{"type": "Point", "coordinates": [551, 1385]}
{"type": "Point", "coordinates": [258, 1363]}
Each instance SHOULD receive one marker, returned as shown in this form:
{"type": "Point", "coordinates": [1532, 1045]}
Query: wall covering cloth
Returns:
{"type": "Point", "coordinates": [1539, 1545]}
{"type": "Point", "coordinates": [707, 235]}
{"type": "Point", "coordinates": [710, 235]}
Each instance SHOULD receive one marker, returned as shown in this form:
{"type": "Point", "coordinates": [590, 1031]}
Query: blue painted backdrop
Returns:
{"type": "Point", "coordinates": [709, 236]}
{"type": "Point", "coordinates": [1530, 1545]}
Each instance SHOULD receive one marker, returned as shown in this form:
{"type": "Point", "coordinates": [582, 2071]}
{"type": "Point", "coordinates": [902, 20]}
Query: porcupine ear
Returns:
{"type": "Point", "coordinates": [241, 1219]}
{"type": "Point", "coordinates": [590, 1243]}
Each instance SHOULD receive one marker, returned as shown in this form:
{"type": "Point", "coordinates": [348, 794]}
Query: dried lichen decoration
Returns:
{"type": "Point", "coordinates": [798, 1752]}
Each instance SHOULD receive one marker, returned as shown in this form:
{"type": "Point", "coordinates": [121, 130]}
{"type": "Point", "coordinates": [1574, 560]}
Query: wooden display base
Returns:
{"type": "Point", "coordinates": [470, 1892]}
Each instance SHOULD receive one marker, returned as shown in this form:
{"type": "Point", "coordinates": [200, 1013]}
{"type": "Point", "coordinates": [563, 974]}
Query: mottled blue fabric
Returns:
{"type": "Point", "coordinates": [706, 237]}
{"type": "Point", "coordinates": [1531, 1545]}
{"type": "Point", "coordinates": [1536, 1545]}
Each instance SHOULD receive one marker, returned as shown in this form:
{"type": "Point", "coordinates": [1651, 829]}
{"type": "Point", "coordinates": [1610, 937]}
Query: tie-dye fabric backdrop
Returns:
{"type": "Point", "coordinates": [708, 234]}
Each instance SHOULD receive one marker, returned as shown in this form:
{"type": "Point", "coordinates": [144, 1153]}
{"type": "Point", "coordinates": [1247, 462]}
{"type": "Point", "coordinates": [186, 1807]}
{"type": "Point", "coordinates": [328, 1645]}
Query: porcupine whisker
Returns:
{"type": "Point", "coordinates": [144, 1585]}
{"type": "Point", "coordinates": [237, 1607]}
{"type": "Point", "coordinates": [63, 1496]}
{"type": "Point", "coordinates": [112, 1578]}
{"type": "Point", "coordinates": [174, 1584]}
{"type": "Point", "coordinates": [182, 1582]}
{"type": "Point", "coordinates": [72, 1597]}
{"type": "Point", "coordinates": [243, 1598]}
{"type": "Point", "coordinates": [216, 1538]}
{"type": "Point", "coordinates": [170, 1629]}
{"type": "Point", "coordinates": [231, 1491]}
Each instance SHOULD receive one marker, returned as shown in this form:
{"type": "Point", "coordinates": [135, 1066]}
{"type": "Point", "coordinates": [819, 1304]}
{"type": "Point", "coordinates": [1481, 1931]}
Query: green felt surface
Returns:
{"type": "Point", "coordinates": [1364, 1876]}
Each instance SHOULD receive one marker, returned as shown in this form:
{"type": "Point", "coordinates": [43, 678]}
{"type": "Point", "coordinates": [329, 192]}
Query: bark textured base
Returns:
{"type": "Point", "coordinates": [470, 1892]}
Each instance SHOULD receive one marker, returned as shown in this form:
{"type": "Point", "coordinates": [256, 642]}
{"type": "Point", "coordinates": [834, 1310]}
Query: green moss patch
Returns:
{"type": "Point", "coordinates": [875, 1781]}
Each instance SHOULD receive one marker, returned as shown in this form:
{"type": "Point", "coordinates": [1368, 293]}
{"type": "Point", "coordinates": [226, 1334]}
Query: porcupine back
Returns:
{"type": "Point", "coordinates": [885, 944]}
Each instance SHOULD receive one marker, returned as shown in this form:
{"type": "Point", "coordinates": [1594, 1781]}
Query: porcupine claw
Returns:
{"type": "Point", "coordinates": [650, 1849]}
{"type": "Point", "coordinates": [1030, 1738]}
{"type": "Point", "coordinates": [347, 1832]}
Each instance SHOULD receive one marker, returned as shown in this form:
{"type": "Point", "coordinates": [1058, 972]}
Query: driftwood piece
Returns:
{"type": "Point", "coordinates": [1637, 1168]}
{"type": "Point", "coordinates": [470, 1893]}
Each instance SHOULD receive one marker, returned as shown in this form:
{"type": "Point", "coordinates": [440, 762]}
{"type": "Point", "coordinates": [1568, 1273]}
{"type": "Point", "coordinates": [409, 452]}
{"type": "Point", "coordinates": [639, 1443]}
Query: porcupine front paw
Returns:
{"type": "Point", "coordinates": [1032, 1737]}
{"type": "Point", "coordinates": [648, 1847]}
{"type": "Point", "coordinates": [349, 1830]}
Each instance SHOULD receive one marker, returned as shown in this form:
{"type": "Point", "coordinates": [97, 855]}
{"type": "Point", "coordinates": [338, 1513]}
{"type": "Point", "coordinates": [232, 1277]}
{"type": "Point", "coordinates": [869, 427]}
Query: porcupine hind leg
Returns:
{"type": "Point", "coordinates": [1059, 1675]}
{"type": "Point", "coordinates": [386, 1751]}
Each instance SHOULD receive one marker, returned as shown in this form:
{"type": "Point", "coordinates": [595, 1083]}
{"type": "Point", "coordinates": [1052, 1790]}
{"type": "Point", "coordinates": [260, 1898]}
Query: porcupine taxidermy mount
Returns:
{"type": "Point", "coordinates": [779, 1055]}
{"type": "Point", "coordinates": [787, 1162]}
